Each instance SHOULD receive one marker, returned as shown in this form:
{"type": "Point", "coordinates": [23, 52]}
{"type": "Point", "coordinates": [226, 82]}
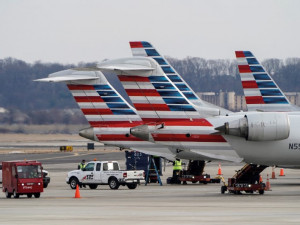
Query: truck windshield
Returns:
{"type": "Point", "coordinates": [30, 171]}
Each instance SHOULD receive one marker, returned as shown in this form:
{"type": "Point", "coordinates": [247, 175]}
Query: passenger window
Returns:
{"type": "Point", "coordinates": [105, 167]}
{"type": "Point", "coordinates": [89, 167]}
{"type": "Point", "coordinates": [116, 166]}
{"type": "Point", "coordinates": [98, 167]}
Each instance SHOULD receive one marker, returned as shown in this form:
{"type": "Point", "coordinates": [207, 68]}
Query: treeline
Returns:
{"type": "Point", "coordinates": [45, 103]}
{"type": "Point", "coordinates": [215, 75]}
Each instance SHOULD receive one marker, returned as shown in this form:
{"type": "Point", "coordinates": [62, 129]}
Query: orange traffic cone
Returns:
{"type": "Point", "coordinates": [77, 194]}
{"type": "Point", "coordinates": [281, 173]}
{"type": "Point", "coordinates": [273, 173]}
{"type": "Point", "coordinates": [268, 185]}
{"type": "Point", "coordinates": [220, 170]}
{"type": "Point", "coordinates": [260, 179]}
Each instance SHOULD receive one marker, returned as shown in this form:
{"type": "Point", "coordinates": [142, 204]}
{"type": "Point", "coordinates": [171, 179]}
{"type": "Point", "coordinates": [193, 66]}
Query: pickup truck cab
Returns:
{"type": "Point", "coordinates": [104, 173]}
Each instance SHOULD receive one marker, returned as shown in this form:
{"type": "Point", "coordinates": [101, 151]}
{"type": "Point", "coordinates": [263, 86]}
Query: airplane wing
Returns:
{"type": "Point", "coordinates": [168, 156]}
{"type": "Point", "coordinates": [214, 156]}
{"type": "Point", "coordinates": [260, 90]}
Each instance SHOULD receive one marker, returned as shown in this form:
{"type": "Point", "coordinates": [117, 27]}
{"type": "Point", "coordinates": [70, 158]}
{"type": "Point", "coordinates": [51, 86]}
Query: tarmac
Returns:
{"type": "Point", "coordinates": [151, 204]}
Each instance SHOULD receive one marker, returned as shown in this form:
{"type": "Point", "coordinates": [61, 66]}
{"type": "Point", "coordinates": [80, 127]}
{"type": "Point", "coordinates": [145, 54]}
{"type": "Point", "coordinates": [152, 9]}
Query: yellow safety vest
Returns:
{"type": "Point", "coordinates": [81, 166]}
{"type": "Point", "coordinates": [177, 165]}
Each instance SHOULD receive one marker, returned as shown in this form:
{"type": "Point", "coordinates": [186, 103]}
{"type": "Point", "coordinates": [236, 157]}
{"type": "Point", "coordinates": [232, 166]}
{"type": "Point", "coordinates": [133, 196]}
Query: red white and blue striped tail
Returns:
{"type": "Point", "coordinates": [152, 93]}
{"type": "Point", "coordinates": [146, 49]}
{"type": "Point", "coordinates": [101, 104]}
{"type": "Point", "coordinates": [261, 91]}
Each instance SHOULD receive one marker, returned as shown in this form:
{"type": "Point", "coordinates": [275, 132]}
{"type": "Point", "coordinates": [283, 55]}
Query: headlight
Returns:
{"type": "Point", "coordinates": [249, 185]}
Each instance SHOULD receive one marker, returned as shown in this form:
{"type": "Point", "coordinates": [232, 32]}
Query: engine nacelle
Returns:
{"type": "Point", "coordinates": [264, 126]}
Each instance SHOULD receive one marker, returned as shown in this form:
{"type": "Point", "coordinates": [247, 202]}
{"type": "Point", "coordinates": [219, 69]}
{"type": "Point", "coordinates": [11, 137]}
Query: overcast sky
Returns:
{"type": "Point", "coordinates": [70, 31]}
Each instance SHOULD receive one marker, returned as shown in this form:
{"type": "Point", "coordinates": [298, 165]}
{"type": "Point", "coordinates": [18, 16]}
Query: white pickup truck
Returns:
{"type": "Point", "coordinates": [104, 173]}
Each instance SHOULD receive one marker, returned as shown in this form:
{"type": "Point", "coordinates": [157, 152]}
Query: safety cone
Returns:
{"type": "Point", "coordinates": [281, 172]}
{"type": "Point", "coordinates": [268, 185]}
{"type": "Point", "coordinates": [220, 170]}
{"type": "Point", "coordinates": [77, 194]}
{"type": "Point", "coordinates": [260, 179]}
{"type": "Point", "coordinates": [273, 173]}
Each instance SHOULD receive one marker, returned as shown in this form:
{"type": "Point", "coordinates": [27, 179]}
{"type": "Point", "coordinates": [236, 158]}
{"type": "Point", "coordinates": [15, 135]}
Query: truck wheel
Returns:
{"type": "Point", "coordinates": [37, 195]}
{"type": "Point", "coordinates": [45, 185]}
{"type": "Point", "coordinates": [29, 195]}
{"type": "Point", "coordinates": [132, 186]}
{"type": "Point", "coordinates": [73, 182]}
{"type": "Point", "coordinates": [113, 183]}
{"type": "Point", "coordinates": [261, 192]}
{"type": "Point", "coordinates": [15, 194]}
{"type": "Point", "coordinates": [93, 186]}
{"type": "Point", "coordinates": [7, 194]}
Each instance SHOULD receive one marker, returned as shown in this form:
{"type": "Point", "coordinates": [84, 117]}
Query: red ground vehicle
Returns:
{"type": "Point", "coordinates": [22, 178]}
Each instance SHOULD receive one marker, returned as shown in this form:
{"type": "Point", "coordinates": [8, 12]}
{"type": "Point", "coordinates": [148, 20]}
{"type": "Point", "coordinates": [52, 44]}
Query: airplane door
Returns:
{"type": "Point", "coordinates": [88, 173]}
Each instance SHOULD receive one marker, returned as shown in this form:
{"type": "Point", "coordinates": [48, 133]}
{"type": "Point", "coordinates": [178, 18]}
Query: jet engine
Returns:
{"type": "Point", "coordinates": [264, 126]}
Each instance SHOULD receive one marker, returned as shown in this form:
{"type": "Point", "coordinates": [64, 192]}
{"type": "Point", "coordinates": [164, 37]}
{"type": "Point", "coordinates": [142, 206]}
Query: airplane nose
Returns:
{"type": "Point", "coordinates": [87, 133]}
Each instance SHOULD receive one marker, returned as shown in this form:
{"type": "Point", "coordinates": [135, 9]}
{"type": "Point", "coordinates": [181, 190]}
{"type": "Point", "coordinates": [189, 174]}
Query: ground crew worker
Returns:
{"type": "Point", "coordinates": [176, 168]}
{"type": "Point", "coordinates": [81, 165]}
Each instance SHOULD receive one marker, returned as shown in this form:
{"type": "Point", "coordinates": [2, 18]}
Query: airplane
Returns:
{"type": "Point", "coordinates": [170, 117]}
{"type": "Point", "coordinates": [246, 132]}
{"type": "Point", "coordinates": [272, 128]}
{"type": "Point", "coordinates": [263, 95]}
{"type": "Point", "coordinates": [111, 117]}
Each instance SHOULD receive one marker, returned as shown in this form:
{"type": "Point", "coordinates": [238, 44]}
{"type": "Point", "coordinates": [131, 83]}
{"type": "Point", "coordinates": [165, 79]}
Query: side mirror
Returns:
{"type": "Point", "coordinates": [83, 169]}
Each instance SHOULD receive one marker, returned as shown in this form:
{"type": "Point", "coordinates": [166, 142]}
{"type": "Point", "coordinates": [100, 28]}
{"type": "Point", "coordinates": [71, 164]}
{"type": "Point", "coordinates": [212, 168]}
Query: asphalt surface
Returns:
{"type": "Point", "coordinates": [151, 204]}
{"type": "Point", "coordinates": [64, 157]}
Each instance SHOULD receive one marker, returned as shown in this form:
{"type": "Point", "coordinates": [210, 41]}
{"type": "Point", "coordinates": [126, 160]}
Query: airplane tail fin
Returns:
{"type": "Point", "coordinates": [261, 91]}
{"type": "Point", "coordinates": [146, 49]}
{"type": "Point", "coordinates": [154, 96]}
{"type": "Point", "coordinates": [101, 104]}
